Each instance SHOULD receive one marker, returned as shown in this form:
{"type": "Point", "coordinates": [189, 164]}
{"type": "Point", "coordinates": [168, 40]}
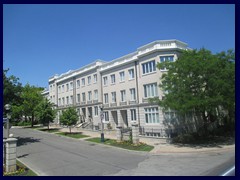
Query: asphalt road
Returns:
{"type": "Point", "coordinates": [50, 154]}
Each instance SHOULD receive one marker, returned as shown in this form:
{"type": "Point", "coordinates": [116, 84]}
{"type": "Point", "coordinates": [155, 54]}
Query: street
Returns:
{"type": "Point", "coordinates": [50, 154]}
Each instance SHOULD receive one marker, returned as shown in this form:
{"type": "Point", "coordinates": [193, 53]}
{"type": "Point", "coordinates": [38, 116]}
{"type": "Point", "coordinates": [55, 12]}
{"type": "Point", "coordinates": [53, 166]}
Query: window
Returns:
{"type": "Point", "coordinates": [133, 114]}
{"type": "Point", "coordinates": [71, 99]}
{"type": "Point", "coordinates": [113, 80]}
{"type": "Point", "coordinates": [122, 76]}
{"type": "Point", "coordinates": [94, 78]}
{"type": "Point", "coordinates": [164, 59]}
{"type": "Point", "coordinates": [83, 81]}
{"type": "Point", "coordinates": [62, 88]}
{"type": "Point", "coordinates": [71, 85]}
{"type": "Point", "coordinates": [67, 87]}
{"type": "Point", "coordinates": [151, 115]}
{"type": "Point", "coordinates": [51, 88]}
{"type": "Point", "coordinates": [67, 99]}
{"type": "Point", "coordinates": [78, 83]}
{"type": "Point", "coordinates": [149, 67]}
{"type": "Point", "coordinates": [114, 97]}
{"type": "Point", "coordinates": [131, 73]}
{"type": "Point", "coordinates": [83, 97]}
{"type": "Point", "coordinates": [63, 102]}
{"type": "Point", "coordinates": [95, 111]}
{"type": "Point", "coordinates": [89, 95]}
{"type": "Point", "coordinates": [106, 98]}
{"type": "Point", "coordinates": [133, 94]}
{"type": "Point", "coordinates": [53, 98]}
{"type": "Point", "coordinates": [59, 89]}
{"type": "Point", "coordinates": [123, 95]}
{"type": "Point", "coordinates": [89, 79]}
{"type": "Point", "coordinates": [106, 117]}
{"type": "Point", "coordinates": [78, 98]}
{"type": "Point", "coordinates": [59, 101]}
{"type": "Point", "coordinates": [95, 94]}
{"type": "Point", "coordinates": [150, 90]}
{"type": "Point", "coordinates": [105, 80]}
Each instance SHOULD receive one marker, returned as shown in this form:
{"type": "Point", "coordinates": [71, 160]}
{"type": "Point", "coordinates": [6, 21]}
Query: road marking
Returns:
{"type": "Point", "coordinates": [229, 171]}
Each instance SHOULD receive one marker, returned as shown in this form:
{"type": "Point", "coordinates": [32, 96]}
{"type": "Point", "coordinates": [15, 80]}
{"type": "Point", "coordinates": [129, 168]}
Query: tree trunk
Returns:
{"type": "Point", "coordinates": [32, 118]}
{"type": "Point", "coordinates": [48, 125]}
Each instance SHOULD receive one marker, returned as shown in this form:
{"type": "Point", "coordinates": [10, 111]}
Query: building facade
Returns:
{"type": "Point", "coordinates": [119, 88]}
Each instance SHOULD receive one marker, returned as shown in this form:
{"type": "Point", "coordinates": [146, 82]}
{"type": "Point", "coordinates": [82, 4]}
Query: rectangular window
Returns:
{"type": "Point", "coordinates": [123, 96]}
{"type": "Point", "coordinates": [59, 89]}
{"type": "Point", "coordinates": [89, 79]}
{"type": "Point", "coordinates": [122, 76]}
{"type": "Point", "coordinates": [51, 88]}
{"type": "Point", "coordinates": [53, 98]}
{"type": "Point", "coordinates": [71, 99]}
{"type": "Point", "coordinates": [59, 101]}
{"type": "Point", "coordinates": [151, 115]}
{"type": "Point", "coordinates": [114, 97]}
{"type": "Point", "coordinates": [113, 80]}
{"type": "Point", "coordinates": [106, 117]}
{"type": "Point", "coordinates": [71, 85]}
{"type": "Point", "coordinates": [131, 74]}
{"type": "Point", "coordinates": [94, 78]}
{"type": "Point", "coordinates": [95, 111]}
{"type": "Point", "coordinates": [133, 114]}
{"type": "Point", "coordinates": [63, 102]}
{"type": "Point", "coordinates": [164, 59]}
{"type": "Point", "coordinates": [133, 94]}
{"type": "Point", "coordinates": [95, 94]}
{"type": "Point", "coordinates": [67, 85]}
{"type": "Point", "coordinates": [106, 98]}
{"type": "Point", "coordinates": [78, 83]}
{"type": "Point", "coordinates": [83, 81]}
{"type": "Point", "coordinates": [150, 90]}
{"type": "Point", "coordinates": [62, 88]}
{"type": "Point", "coordinates": [83, 97]}
{"type": "Point", "coordinates": [149, 67]}
{"type": "Point", "coordinates": [89, 95]}
{"type": "Point", "coordinates": [67, 99]}
{"type": "Point", "coordinates": [78, 98]}
{"type": "Point", "coordinates": [105, 81]}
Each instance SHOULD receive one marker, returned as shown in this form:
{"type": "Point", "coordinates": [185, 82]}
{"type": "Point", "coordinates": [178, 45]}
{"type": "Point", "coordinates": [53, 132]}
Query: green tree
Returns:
{"type": "Point", "coordinates": [69, 118]}
{"type": "Point", "coordinates": [31, 96]}
{"type": "Point", "coordinates": [200, 83]}
{"type": "Point", "coordinates": [45, 112]}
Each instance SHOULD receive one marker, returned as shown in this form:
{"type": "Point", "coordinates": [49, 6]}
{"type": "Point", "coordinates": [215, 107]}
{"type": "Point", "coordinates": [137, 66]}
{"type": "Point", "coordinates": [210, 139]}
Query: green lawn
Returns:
{"type": "Point", "coordinates": [124, 144]}
{"type": "Point", "coordinates": [73, 135]}
{"type": "Point", "coordinates": [22, 170]}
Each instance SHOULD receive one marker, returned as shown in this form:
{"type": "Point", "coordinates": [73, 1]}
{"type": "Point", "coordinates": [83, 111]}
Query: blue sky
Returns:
{"type": "Point", "coordinates": [42, 40]}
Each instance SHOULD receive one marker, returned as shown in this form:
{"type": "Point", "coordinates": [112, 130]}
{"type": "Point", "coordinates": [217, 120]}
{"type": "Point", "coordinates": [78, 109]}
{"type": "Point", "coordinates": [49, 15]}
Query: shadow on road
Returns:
{"type": "Point", "coordinates": [26, 140]}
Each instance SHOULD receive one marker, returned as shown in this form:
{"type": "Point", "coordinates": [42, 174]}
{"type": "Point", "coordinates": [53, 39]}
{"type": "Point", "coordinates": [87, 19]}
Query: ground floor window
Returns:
{"type": "Point", "coordinates": [151, 115]}
{"type": "Point", "coordinates": [106, 116]}
{"type": "Point", "coordinates": [133, 114]}
{"type": "Point", "coordinates": [95, 111]}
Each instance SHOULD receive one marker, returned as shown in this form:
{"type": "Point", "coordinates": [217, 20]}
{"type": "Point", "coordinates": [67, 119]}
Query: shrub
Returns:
{"type": "Point", "coordinates": [184, 138]}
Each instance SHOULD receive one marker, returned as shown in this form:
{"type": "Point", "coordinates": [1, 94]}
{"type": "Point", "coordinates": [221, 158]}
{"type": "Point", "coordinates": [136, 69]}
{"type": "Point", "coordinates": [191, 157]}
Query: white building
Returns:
{"type": "Point", "coordinates": [122, 87]}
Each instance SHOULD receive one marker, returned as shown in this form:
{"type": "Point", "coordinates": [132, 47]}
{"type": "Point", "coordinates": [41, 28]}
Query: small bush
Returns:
{"type": "Point", "coordinates": [24, 123]}
{"type": "Point", "coordinates": [184, 138]}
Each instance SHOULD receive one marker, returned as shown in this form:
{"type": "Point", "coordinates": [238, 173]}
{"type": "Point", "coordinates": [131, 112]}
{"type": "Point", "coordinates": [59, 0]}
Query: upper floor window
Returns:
{"type": "Point", "coordinates": [71, 85]}
{"type": "Point", "coordinates": [78, 98]}
{"type": "Point", "coordinates": [63, 102]}
{"type": "Point", "coordinates": [59, 89]}
{"type": "Point", "coordinates": [122, 76]}
{"type": "Point", "coordinates": [71, 99]}
{"type": "Point", "coordinates": [105, 80]}
{"type": "Point", "coordinates": [113, 80]}
{"type": "Point", "coordinates": [50, 87]}
{"type": "Point", "coordinates": [53, 87]}
{"type": "Point", "coordinates": [123, 95]}
{"type": "Point", "coordinates": [131, 73]}
{"type": "Point", "coordinates": [67, 85]}
{"type": "Point", "coordinates": [133, 94]}
{"type": "Point", "coordinates": [114, 97]}
{"type": "Point", "coordinates": [62, 88]}
{"type": "Point", "coordinates": [94, 78]}
{"type": "Point", "coordinates": [89, 95]}
{"type": "Point", "coordinates": [149, 67]}
{"type": "Point", "coordinates": [67, 99]}
{"type": "Point", "coordinates": [150, 90]}
{"type": "Point", "coordinates": [59, 101]}
{"type": "Point", "coordinates": [164, 59]}
{"type": "Point", "coordinates": [83, 97]}
{"type": "Point", "coordinates": [78, 83]}
{"type": "Point", "coordinates": [89, 79]}
{"type": "Point", "coordinates": [106, 98]}
{"type": "Point", "coordinates": [83, 81]}
{"type": "Point", "coordinates": [95, 94]}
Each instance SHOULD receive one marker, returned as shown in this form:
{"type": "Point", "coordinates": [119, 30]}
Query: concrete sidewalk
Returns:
{"type": "Point", "coordinates": [160, 145]}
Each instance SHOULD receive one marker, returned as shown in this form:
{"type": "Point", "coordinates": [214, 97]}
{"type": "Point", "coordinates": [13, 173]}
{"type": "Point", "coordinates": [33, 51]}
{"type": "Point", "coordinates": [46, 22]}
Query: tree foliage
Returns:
{"type": "Point", "coordinates": [45, 112]}
{"type": "Point", "coordinates": [69, 117]}
{"type": "Point", "coordinates": [202, 83]}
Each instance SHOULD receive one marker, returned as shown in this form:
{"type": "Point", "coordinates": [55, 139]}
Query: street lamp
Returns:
{"type": "Point", "coordinates": [8, 107]}
{"type": "Point", "coordinates": [102, 116]}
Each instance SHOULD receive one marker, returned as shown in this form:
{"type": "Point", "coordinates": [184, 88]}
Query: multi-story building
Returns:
{"type": "Point", "coordinates": [120, 88]}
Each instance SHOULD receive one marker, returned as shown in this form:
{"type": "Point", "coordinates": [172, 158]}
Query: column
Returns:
{"type": "Point", "coordinates": [119, 133]}
{"type": "Point", "coordinates": [11, 144]}
{"type": "Point", "coordinates": [135, 133]}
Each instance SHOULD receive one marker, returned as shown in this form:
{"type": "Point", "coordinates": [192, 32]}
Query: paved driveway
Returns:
{"type": "Point", "coordinates": [49, 154]}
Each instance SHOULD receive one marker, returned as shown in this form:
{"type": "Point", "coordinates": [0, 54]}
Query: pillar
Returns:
{"type": "Point", "coordinates": [135, 133]}
{"type": "Point", "coordinates": [119, 133]}
{"type": "Point", "coordinates": [11, 145]}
